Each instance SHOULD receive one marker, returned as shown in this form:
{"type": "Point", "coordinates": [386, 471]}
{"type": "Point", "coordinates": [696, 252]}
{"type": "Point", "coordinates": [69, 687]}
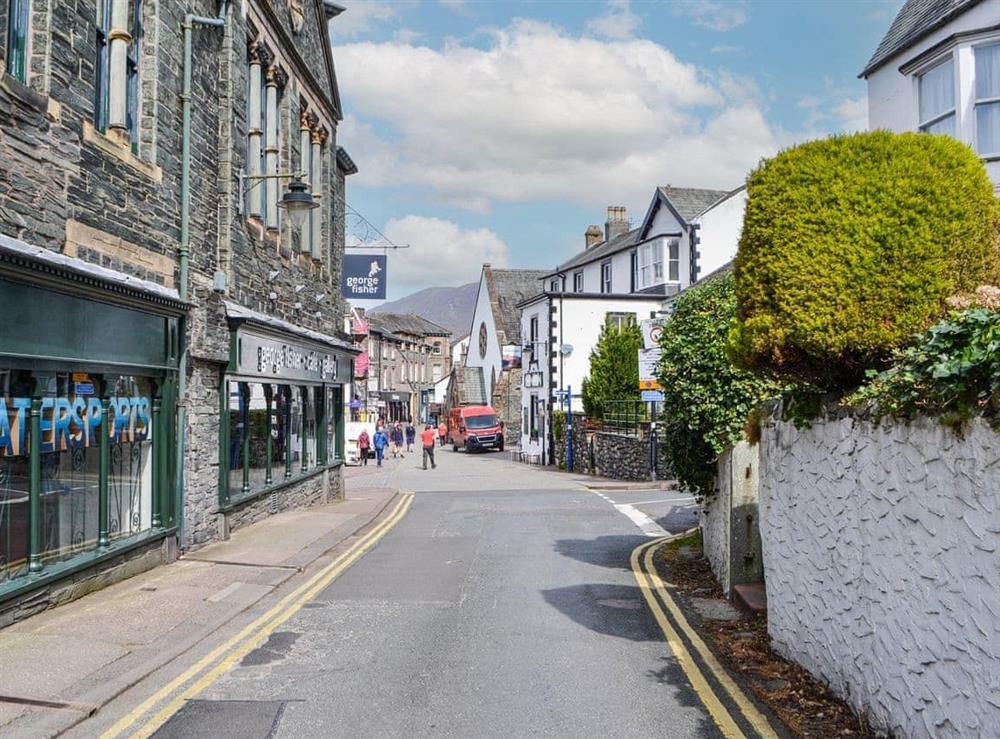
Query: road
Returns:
{"type": "Point", "coordinates": [502, 605]}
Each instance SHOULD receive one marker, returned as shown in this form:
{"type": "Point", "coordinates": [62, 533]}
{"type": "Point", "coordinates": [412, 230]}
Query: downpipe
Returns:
{"type": "Point", "coordinates": [183, 251]}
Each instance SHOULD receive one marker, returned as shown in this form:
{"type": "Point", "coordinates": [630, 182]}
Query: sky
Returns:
{"type": "Point", "coordinates": [496, 131]}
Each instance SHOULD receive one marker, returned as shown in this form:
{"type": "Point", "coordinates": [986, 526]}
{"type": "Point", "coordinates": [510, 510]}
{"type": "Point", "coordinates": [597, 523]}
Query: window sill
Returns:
{"type": "Point", "coordinates": [33, 99]}
{"type": "Point", "coordinates": [120, 152]}
{"type": "Point", "coordinates": [60, 570]}
{"type": "Point", "coordinates": [237, 500]}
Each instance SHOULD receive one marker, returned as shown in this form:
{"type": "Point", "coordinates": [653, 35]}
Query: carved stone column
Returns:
{"type": "Point", "coordinates": [316, 214]}
{"type": "Point", "coordinates": [256, 55]}
{"type": "Point", "coordinates": [119, 39]}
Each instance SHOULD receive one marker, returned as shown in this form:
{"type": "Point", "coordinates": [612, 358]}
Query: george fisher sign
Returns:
{"type": "Point", "coordinates": [363, 277]}
{"type": "Point", "coordinates": [266, 357]}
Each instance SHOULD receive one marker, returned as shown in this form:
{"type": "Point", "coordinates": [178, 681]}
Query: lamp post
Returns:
{"type": "Point", "coordinates": [297, 200]}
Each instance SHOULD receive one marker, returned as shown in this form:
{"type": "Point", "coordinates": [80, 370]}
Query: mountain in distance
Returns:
{"type": "Point", "coordinates": [451, 307]}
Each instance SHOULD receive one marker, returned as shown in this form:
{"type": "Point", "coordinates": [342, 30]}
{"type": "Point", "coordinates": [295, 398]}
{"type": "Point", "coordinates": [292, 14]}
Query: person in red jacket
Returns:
{"type": "Point", "coordinates": [443, 432]}
{"type": "Point", "coordinates": [364, 444]}
{"type": "Point", "coordinates": [427, 437]}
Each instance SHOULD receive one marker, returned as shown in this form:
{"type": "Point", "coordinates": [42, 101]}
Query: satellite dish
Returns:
{"type": "Point", "coordinates": [565, 349]}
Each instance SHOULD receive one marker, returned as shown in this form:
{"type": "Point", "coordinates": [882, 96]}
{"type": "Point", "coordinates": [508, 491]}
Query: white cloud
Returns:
{"type": "Point", "coordinates": [539, 114]}
{"type": "Point", "coordinates": [618, 22]}
{"type": "Point", "coordinates": [440, 252]}
{"type": "Point", "coordinates": [459, 6]}
{"type": "Point", "coordinates": [360, 17]}
{"type": "Point", "coordinates": [853, 114]}
{"type": "Point", "coordinates": [715, 15]}
{"type": "Point", "coordinates": [406, 36]}
{"type": "Point", "coordinates": [727, 49]}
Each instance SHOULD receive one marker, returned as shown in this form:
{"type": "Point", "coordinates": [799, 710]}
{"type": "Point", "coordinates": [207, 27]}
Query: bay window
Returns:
{"type": "Point", "coordinates": [936, 99]}
{"type": "Point", "coordinates": [987, 100]}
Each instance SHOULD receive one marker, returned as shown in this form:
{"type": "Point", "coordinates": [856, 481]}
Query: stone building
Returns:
{"type": "Point", "coordinates": [171, 363]}
{"type": "Point", "coordinates": [409, 355]}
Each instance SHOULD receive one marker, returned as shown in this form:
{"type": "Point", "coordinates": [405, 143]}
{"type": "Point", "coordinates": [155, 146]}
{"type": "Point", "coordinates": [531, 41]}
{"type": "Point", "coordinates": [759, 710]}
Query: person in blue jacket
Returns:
{"type": "Point", "coordinates": [380, 442]}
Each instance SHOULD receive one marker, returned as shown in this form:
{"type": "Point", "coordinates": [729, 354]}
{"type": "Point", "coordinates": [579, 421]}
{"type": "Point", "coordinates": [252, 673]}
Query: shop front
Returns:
{"type": "Point", "coordinates": [394, 405]}
{"type": "Point", "coordinates": [88, 377]}
{"type": "Point", "coordinates": [283, 401]}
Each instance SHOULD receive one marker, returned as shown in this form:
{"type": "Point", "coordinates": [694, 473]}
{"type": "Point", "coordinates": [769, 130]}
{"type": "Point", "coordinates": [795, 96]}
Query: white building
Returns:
{"type": "Point", "coordinates": [938, 70]}
{"type": "Point", "coordinates": [620, 278]}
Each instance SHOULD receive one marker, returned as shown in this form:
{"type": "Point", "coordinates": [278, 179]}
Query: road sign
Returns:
{"type": "Point", "coordinates": [649, 360]}
{"type": "Point", "coordinates": [651, 329]}
{"type": "Point", "coordinates": [652, 396]}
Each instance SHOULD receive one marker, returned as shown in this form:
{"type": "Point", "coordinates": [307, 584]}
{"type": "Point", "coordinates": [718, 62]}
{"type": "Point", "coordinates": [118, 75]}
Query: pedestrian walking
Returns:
{"type": "Point", "coordinates": [411, 436]}
{"type": "Point", "coordinates": [364, 444]}
{"type": "Point", "coordinates": [443, 432]}
{"type": "Point", "coordinates": [427, 437]}
{"type": "Point", "coordinates": [396, 437]}
{"type": "Point", "coordinates": [381, 441]}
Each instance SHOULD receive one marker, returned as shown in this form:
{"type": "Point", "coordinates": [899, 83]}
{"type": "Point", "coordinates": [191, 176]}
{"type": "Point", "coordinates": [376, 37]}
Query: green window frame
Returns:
{"type": "Point", "coordinates": [17, 39]}
{"type": "Point", "coordinates": [84, 466]}
{"type": "Point", "coordinates": [299, 441]}
{"type": "Point", "coordinates": [102, 63]}
{"type": "Point", "coordinates": [132, 60]}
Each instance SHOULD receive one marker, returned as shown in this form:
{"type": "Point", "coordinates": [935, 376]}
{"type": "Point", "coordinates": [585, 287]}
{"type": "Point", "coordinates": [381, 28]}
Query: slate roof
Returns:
{"type": "Point", "coordinates": [507, 288]}
{"type": "Point", "coordinates": [408, 323]}
{"type": "Point", "coordinates": [599, 251]}
{"type": "Point", "coordinates": [915, 19]}
{"type": "Point", "coordinates": [691, 202]}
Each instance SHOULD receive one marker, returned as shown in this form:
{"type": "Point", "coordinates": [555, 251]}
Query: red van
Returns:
{"type": "Point", "coordinates": [475, 427]}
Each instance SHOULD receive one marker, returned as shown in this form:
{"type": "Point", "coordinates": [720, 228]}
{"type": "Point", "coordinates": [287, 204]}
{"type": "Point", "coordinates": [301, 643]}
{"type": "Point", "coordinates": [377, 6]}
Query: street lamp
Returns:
{"type": "Point", "coordinates": [297, 200]}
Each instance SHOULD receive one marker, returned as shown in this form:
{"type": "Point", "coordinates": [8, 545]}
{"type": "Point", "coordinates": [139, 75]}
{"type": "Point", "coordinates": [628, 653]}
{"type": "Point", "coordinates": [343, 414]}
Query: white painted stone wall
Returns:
{"type": "Point", "coordinates": [713, 517]}
{"type": "Point", "coordinates": [883, 575]}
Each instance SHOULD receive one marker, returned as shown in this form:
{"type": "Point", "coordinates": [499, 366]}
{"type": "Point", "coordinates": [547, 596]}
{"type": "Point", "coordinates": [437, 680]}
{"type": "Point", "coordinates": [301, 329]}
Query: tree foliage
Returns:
{"type": "Point", "coordinates": [707, 400]}
{"type": "Point", "coordinates": [951, 371]}
{"type": "Point", "coordinates": [614, 369]}
{"type": "Point", "coordinates": [853, 243]}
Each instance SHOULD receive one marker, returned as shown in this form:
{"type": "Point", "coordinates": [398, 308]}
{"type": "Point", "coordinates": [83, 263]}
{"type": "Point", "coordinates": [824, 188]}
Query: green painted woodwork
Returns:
{"type": "Point", "coordinates": [103, 514]}
{"type": "Point", "coordinates": [157, 521]}
{"type": "Point", "coordinates": [35, 482]}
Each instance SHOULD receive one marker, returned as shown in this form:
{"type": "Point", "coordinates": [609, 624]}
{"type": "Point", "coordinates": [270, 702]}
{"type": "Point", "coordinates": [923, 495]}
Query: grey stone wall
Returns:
{"type": "Point", "coordinates": [77, 585]}
{"type": "Point", "coordinates": [880, 553]}
{"type": "Point", "coordinates": [581, 447]}
{"type": "Point", "coordinates": [320, 488]}
{"type": "Point", "coordinates": [507, 403]}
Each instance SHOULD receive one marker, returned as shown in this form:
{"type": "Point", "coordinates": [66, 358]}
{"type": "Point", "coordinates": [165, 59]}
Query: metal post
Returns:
{"type": "Point", "coordinates": [103, 451]}
{"type": "Point", "coordinates": [245, 445]}
{"type": "Point", "coordinates": [288, 431]}
{"type": "Point", "coordinates": [302, 436]}
{"type": "Point", "coordinates": [268, 399]}
{"type": "Point", "coordinates": [569, 428]}
{"type": "Point", "coordinates": [154, 433]}
{"type": "Point", "coordinates": [35, 483]}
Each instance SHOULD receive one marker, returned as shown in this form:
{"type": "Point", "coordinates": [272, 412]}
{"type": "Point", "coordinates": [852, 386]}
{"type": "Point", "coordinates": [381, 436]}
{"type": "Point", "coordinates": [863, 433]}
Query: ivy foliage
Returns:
{"type": "Point", "coordinates": [614, 369]}
{"type": "Point", "coordinates": [707, 400]}
{"type": "Point", "coordinates": [852, 244]}
{"type": "Point", "coordinates": [951, 371]}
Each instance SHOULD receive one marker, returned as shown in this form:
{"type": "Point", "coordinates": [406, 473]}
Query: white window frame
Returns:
{"type": "Point", "coordinates": [924, 125]}
{"type": "Point", "coordinates": [578, 281]}
{"type": "Point", "coordinates": [606, 276]}
{"type": "Point", "coordinates": [995, 100]}
{"type": "Point", "coordinates": [673, 260]}
{"type": "Point", "coordinates": [651, 264]}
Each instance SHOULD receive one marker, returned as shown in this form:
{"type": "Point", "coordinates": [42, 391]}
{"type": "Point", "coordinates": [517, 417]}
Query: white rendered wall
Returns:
{"type": "Point", "coordinates": [720, 231]}
{"type": "Point", "coordinates": [892, 96]}
{"type": "Point", "coordinates": [539, 310]}
{"type": "Point", "coordinates": [580, 320]}
{"type": "Point", "coordinates": [493, 361]}
{"type": "Point", "coordinates": [881, 557]}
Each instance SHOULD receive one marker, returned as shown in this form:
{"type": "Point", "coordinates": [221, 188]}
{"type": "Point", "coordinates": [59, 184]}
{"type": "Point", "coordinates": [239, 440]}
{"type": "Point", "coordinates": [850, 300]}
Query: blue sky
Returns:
{"type": "Point", "coordinates": [497, 131]}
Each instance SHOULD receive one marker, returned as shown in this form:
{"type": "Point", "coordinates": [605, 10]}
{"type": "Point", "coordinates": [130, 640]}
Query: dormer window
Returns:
{"type": "Point", "coordinates": [936, 98]}
{"type": "Point", "coordinates": [988, 100]}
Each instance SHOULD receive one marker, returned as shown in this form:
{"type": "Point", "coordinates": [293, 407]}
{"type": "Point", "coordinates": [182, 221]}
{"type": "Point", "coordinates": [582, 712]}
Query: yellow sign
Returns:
{"type": "Point", "coordinates": [649, 385]}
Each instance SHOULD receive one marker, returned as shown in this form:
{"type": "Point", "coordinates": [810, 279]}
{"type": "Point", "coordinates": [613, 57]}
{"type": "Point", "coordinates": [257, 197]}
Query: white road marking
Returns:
{"type": "Point", "coordinates": [649, 526]}
{"type": "Point", "coordinates": [685, 499]}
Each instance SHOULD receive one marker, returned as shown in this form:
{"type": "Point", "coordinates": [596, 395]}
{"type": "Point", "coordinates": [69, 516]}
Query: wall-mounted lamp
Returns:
{"type": "Point", "coordinates": [297, 200]}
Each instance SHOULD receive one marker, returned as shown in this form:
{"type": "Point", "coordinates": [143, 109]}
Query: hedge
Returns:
{"type": "Point", "coordinates": [853, 243]}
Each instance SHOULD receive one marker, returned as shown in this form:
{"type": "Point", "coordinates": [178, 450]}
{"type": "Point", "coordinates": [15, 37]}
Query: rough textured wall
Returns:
{"type": "Point", "coordinates": [621, 457]}
{"type": "Point", "coordinates": [506, 402]}
{"type": "Point", "coordinates": [880, 551]}
{"type": "Point", "coordinates": [713, 518]}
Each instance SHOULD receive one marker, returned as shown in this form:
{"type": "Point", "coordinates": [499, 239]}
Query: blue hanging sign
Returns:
{"type": "Point", "coordinates": [364, 277]}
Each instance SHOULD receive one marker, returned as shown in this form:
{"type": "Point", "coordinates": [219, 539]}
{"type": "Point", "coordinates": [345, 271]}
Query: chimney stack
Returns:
{"type": "Point", "coordinates": [592, 235]}
{"type": "Point", "coordinates": [617, 222]}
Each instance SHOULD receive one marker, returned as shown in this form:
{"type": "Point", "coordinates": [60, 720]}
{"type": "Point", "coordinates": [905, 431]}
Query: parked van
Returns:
{"type": "Point", "coordinates": [475, 427]}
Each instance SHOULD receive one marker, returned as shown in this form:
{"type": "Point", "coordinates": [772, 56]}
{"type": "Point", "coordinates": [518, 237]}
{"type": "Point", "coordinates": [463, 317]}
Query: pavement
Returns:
{"type": "Point", "coordinates": [491, 598]}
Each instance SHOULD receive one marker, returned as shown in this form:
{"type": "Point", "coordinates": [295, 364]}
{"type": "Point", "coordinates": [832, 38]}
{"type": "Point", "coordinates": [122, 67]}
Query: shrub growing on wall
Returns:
{"type": "Point", "coordinates": [707, 400]}
{"type": "Point", "coordinates": [853, 243]}
{"type": "Point", "coordinates": [614, 369]}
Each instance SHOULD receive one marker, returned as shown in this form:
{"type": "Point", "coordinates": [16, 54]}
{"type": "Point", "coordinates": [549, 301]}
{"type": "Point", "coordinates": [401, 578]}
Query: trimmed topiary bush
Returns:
{"type": "Point", "coordinates": [614, 369]}
{"type": "Point", "coordinates": [707, 401]}
{"type": "Point", "coordinates": [853, 243]}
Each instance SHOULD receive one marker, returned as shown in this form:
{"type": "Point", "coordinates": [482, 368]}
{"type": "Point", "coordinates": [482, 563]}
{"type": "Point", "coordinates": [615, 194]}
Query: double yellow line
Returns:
{"type": "Point", "coordinates": [657, 598]}
{"type": "Point", "coordinates": [208, 669]}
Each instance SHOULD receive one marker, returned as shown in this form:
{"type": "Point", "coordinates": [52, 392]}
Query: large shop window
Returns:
{"type": "Point", "coordinates": [81, 503]}
{"type": "Point", "coordinates": [278, 432]}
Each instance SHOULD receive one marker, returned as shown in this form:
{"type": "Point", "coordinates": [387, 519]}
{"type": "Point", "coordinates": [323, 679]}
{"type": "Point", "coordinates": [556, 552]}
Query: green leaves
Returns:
{"type": "Point", "coordinates": [951, 370]}
{"type": "Point", "coordinates": [707, 400]}
{"type": "Point", "coordinates": [614, 369]}
{"type": "Point", "coordinates": [851, 244]}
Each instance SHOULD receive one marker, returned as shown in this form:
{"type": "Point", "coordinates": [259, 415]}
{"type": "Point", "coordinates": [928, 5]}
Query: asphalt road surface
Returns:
{"type": "Point", "coordinates": [502, 605]}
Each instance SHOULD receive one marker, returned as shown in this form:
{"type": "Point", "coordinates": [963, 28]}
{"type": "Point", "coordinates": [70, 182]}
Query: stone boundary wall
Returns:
{"type": "Point", "coordinates": [714, 519]}
{"type": "Point", "coordinates": [621, 457]}
{"type": "Point", "coordinates": [319, 488]}
{"type": "Point", "coordinates": [880, 551]}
